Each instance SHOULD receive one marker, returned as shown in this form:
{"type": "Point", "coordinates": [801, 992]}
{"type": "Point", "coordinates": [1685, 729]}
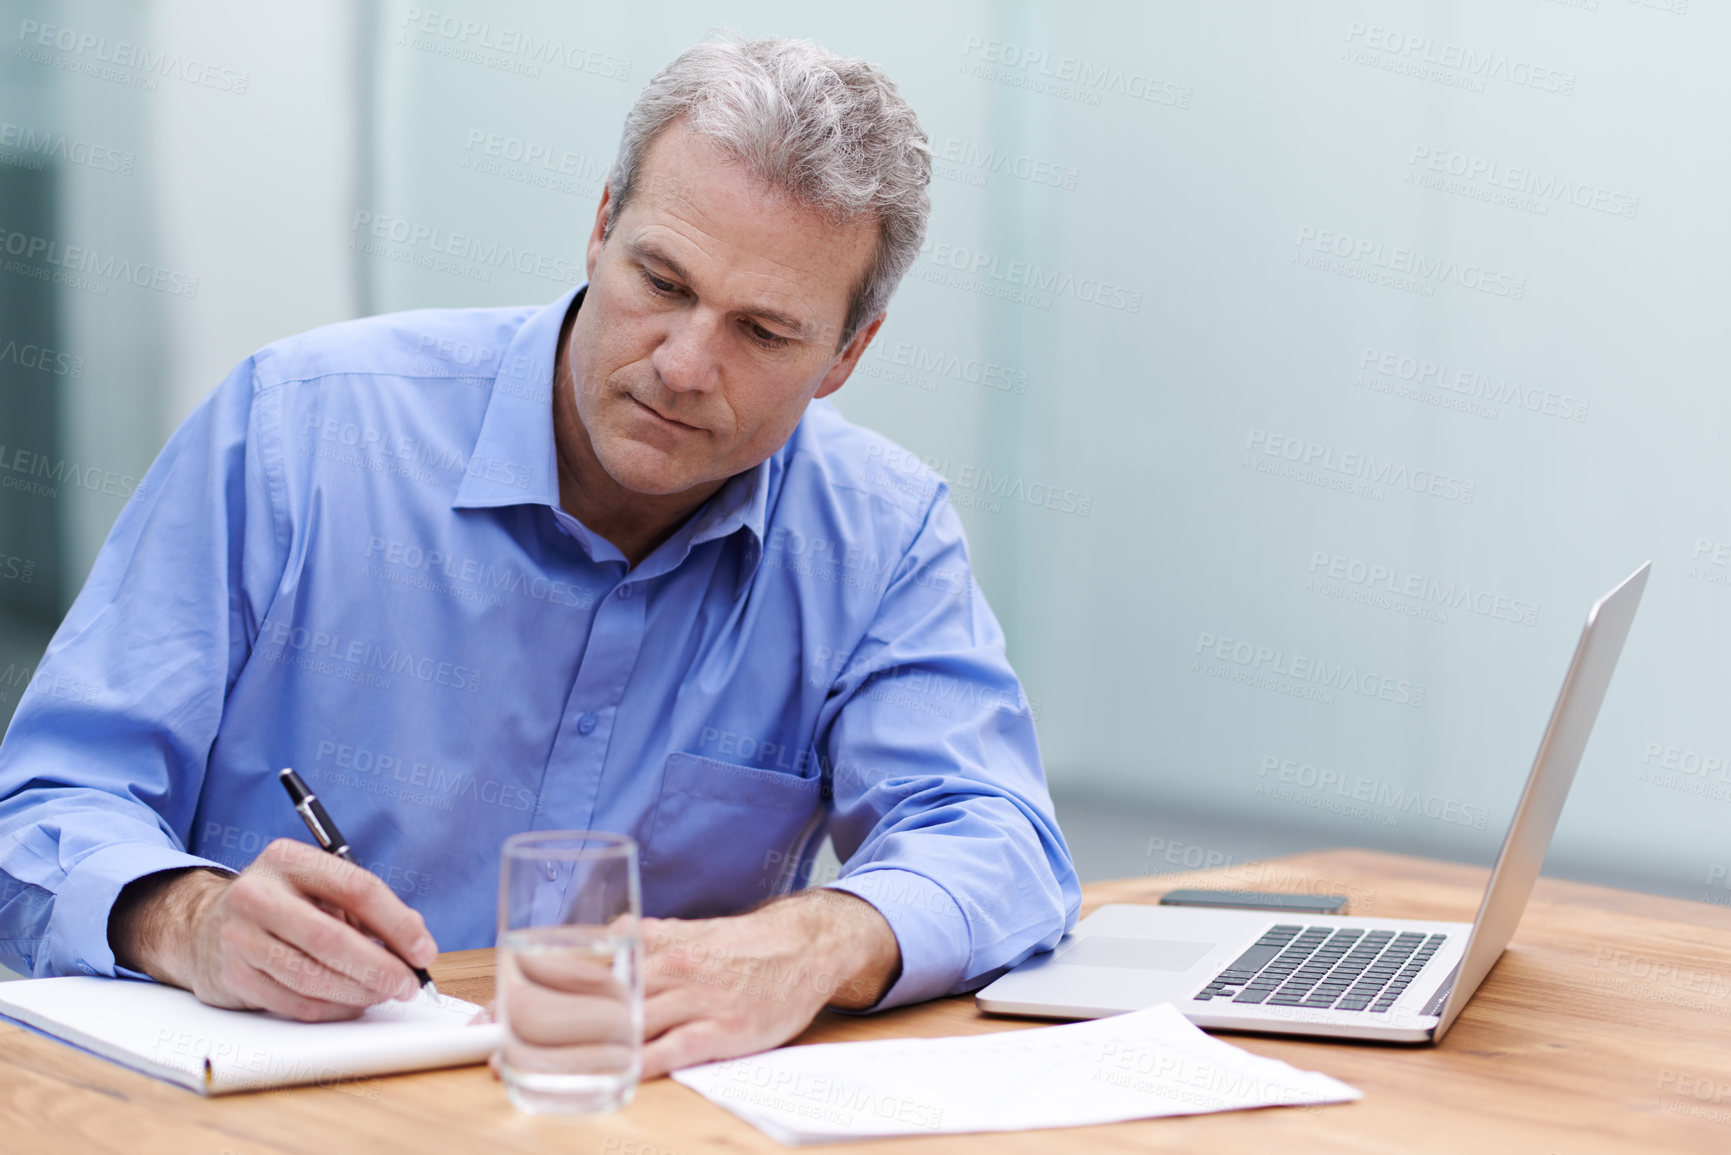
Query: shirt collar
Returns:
{"type": "Point", "coordinates": [514, 461]}
{"type": "Point", "coordinates": [741, 506]}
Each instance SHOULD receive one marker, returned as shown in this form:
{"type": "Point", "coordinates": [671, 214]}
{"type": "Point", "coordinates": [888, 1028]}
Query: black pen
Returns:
{"type": "Point", "coordinates": [325, 831]}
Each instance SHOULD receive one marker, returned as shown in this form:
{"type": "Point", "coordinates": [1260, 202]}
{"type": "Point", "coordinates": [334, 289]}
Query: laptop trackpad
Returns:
{"type": "Point", "coordinates": [1142, 954]}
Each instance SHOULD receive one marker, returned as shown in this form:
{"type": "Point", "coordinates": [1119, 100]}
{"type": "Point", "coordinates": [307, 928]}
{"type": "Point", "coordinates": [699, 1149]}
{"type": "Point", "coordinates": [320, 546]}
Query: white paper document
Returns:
{"type": "Point", "coordinates": [168, 1033]}
{"type": "Point", "coordinates": [1141, 1065]}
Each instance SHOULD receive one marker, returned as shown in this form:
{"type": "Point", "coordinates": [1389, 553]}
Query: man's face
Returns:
{"type": "Point", "coordinates": [711, 320]}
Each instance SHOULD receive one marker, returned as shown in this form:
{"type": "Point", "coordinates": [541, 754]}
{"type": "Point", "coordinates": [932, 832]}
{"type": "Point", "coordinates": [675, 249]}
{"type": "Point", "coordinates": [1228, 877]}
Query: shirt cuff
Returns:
{"type": "Point", "coordinates": [78, 929]}
{"type": "Point", "coordinates": [929, 926]}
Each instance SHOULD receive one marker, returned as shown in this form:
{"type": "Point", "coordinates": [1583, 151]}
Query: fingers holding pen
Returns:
{"type": "Point", "coordinates": [359, 893]}
{"type": "Point", "coordinates": [355, 894]}
{"type": "Point", "coordinates": [273, 927]}
{"type": "Point", "coordinates": [282, 936]}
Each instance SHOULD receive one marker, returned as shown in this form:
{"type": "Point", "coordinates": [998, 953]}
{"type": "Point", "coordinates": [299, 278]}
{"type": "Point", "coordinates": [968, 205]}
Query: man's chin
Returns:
{"type": "Point", "coordinates": [642, 469]}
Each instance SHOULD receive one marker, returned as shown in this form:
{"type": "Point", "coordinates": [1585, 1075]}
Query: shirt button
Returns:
{"type": "Point", "coordinates": [86, 968]}
{"type": "Point", "coordinates": [586, 724]}
{"type": "Point", "coordinates": [624, 591]}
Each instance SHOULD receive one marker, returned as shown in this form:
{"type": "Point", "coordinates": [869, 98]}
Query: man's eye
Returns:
{"type": "Point", "coordinates": [767, 339]}
{"type": "Point", "coordinates": [656, 283]}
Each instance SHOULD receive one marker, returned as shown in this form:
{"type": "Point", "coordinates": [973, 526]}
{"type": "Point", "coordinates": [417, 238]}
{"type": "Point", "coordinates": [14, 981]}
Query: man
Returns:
{"type": "Point", "coordinates": [609, 564]}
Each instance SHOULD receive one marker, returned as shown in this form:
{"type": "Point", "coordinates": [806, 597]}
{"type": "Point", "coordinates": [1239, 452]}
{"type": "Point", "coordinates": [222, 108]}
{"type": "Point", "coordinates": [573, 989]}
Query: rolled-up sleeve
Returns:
{"type": "Point", "coordinates": [101, 768]}
{"type": "Point", "coordinates": [941, 813]}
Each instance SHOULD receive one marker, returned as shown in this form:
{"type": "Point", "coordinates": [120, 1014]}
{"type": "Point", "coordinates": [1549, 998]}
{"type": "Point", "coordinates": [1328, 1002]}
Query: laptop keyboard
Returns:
{"type": "Point", "coordinates": [1319, 966]}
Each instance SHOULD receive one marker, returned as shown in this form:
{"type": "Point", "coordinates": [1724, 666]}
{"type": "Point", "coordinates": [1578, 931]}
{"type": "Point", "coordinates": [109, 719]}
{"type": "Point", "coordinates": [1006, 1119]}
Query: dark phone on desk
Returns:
{"type": "Point", "coordinates": [1258, 900]}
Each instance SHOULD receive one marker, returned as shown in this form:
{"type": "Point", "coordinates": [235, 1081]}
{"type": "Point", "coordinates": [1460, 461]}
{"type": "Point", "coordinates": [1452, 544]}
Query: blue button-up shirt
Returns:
{"type": "Point", "coordinates": [351, 560]}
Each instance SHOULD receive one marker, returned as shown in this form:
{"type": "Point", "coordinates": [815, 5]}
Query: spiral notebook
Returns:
{"type": "Point", "coordinates": [166, 1032]}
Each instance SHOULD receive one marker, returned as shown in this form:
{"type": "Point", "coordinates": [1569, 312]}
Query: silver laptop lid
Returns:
{"type": "Point", "coordinates": [1547, 788]}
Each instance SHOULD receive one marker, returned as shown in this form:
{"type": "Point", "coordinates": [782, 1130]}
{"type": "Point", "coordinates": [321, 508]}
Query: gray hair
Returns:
{"type": "Point", "coordinates": [830, 131]}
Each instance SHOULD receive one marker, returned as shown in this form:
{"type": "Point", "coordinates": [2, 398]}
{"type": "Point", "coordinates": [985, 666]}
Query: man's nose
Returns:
{"type": "Point", "coordinates": [688, 358]}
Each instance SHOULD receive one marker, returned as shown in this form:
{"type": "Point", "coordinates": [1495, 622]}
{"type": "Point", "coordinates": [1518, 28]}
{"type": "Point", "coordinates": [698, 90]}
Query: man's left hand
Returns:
{"type": "Point", "coordinates": [720, 987]}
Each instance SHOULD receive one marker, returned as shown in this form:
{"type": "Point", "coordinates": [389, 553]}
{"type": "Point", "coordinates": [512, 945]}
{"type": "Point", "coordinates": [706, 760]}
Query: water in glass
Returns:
{"type": "Point", "coordinates": [573, 1030]}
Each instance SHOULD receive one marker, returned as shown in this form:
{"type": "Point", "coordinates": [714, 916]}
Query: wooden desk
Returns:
{"type": "Point", "coordinates": [1605, 1028]}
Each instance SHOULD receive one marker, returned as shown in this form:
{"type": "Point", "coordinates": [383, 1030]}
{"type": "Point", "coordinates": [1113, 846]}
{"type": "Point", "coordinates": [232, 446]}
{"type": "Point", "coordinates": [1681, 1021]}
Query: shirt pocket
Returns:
{"type": "Point", "coordinates": [722, 835]}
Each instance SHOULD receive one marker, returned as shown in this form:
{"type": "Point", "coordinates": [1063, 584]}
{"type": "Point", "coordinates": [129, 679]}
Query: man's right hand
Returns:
{"type": "Point", "coordinates": [292, 933]}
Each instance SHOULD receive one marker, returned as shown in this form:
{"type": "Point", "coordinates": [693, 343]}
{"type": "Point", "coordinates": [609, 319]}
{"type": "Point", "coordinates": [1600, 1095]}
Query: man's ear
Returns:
{"type": "Point", "coordinates": [849, 357]}
{"type": "Point", "coordinates": [603, 211]}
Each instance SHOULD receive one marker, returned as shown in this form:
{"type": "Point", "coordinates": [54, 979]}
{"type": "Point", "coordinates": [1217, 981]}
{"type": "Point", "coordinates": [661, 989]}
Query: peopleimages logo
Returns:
{"type": "Point", "coordinates": [832, 560]}
{"type": "Point", "coordinates": [970, 485]}
{"type": "Point", "coordinates": [534, 163]}
{"type": "Point", "coordinates": [1710, 562]}
{"type": "Point", "coordinates": [475, 571]}
{"type": "Point", "coordinates": [376, 768]}
{"type": "Point", "coordinates": [1399, 267]}
{"type": "Point", "coordinates": [317, 650]}
{"type": "Point", "coordinates": [463, 253]}
{"type": "Point", "coordinates": [1469, 384]}
{"type": "Point", "coordinates": [1483, 176]}
{"type": "Point", "coordinates": [925, 362]}
{"type": "Point", "coordinates": [132, 64]}
{"type": "Point", "coordinates": [41, 475]}
{"type": "Point", "coordinates": [73, 260]}
{"type": "Point", "coordinates": [1664, 756]}
{"type": "Point", "coordinates": [345, 442]}
{"type": "Point", "coordinates": [1314, 462]}
{"type": "Point", "coordinates": [1430, 59]}
{"type": "Point", "coordinates": [523, 50]}
{"type": "Point", "coordinates": [970, 163]}
{"type": "Point", "coordinates": [1704, 774]}
{"type": "Point", "coordinates": [1388, 587]}
{"type": "Point", "coordinates": [1350, 788]}
{"type": "Point", "coordinates": [1022, 281]}
{"type": "Point", "coordinates": [41, 358]}
{"type": "Point", "coordinates": [29, 148]}
{"type": "Point", "coordinates": [1301, 675]}
{"type": "Point", "coordinates": [1066, 77]}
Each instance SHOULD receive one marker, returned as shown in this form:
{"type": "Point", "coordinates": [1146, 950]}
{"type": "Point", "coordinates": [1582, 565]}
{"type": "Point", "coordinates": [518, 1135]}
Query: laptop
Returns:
{"type": "Point", "coordinates": [1390, 980]}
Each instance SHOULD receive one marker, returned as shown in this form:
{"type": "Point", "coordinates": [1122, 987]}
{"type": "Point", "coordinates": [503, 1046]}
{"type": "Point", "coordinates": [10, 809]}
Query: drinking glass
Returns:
{"type": "Point", "coordinates": [570, 971]}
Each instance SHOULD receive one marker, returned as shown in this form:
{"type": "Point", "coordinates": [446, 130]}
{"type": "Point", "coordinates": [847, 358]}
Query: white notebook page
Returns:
{"type": "Point", "coordinates": [166, 1032]}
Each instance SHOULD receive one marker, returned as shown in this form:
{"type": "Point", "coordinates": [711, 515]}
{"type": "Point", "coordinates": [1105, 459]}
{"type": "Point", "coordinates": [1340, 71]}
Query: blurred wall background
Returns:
{"type": "Point", "coordinates": [1302, 372]}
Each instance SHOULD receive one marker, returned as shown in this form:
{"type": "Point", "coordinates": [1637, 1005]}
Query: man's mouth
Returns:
{"type": "Point", "coordinates": [662, 417]}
